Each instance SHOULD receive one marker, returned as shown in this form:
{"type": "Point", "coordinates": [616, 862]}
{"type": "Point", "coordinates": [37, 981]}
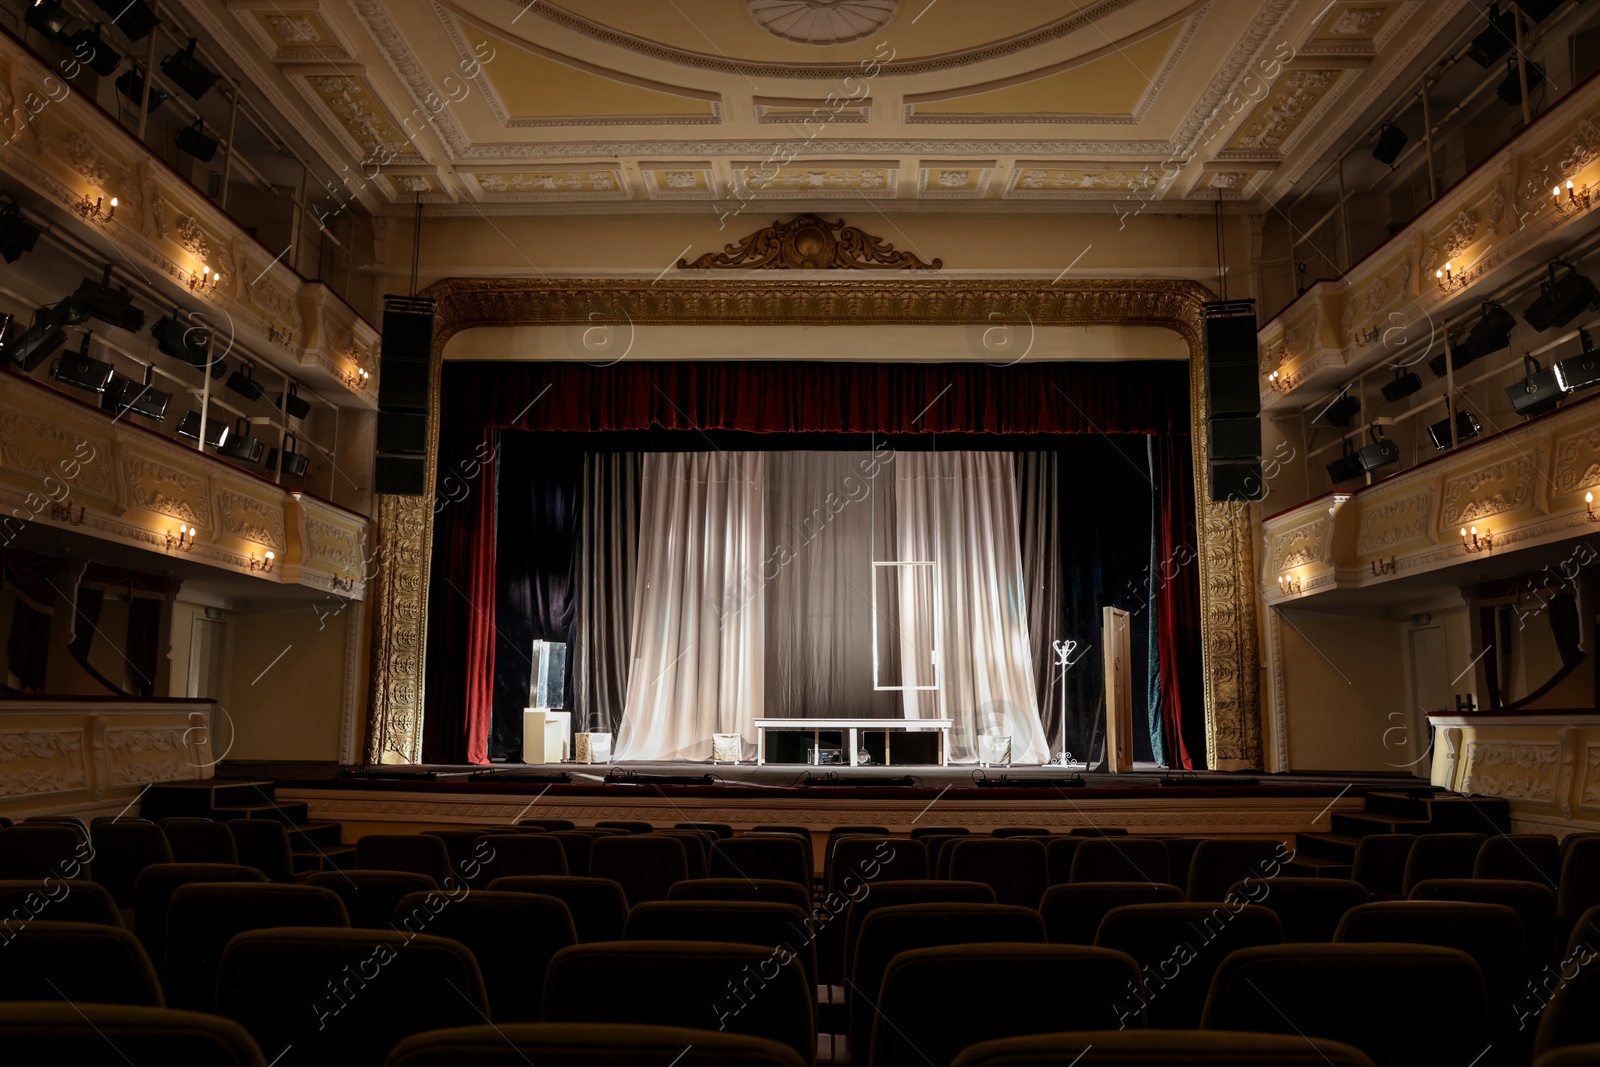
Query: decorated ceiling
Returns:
{"type": "Point", "coordinates": [649, 104]}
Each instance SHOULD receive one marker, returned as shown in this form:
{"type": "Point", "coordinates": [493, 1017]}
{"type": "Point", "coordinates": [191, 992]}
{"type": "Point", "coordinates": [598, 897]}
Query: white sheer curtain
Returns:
{"type": "Point", "coordinates": [959, 510]}
{"type": "Point", "coordinates": [698, 607]}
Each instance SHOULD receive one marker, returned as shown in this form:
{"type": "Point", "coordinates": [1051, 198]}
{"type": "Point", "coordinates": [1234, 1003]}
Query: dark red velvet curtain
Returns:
{"type": "Point", "coordinates": [1178, 603]}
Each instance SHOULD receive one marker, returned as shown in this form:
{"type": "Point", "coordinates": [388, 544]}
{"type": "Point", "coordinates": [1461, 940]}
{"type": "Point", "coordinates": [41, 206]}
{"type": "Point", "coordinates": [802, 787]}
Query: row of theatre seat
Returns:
{"type": "Point", "coordinates": [453, 929]}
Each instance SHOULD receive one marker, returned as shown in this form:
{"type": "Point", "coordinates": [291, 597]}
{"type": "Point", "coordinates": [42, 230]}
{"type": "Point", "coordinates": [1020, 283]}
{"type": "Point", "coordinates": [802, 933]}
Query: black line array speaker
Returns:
{"type": "Point", "coordinates": [404, 387]}
{"type": "Point", "coordinates": [1233, 400]}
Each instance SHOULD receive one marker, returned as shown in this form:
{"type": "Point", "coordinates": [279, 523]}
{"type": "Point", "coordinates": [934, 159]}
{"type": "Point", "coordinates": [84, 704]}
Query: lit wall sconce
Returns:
{"type": "Point", "coordinates": [1576, 199]}
{"type": "Point", "coordinates": [264, 565]}
{"type": "Point", "coordinates": [1381, 567]}
{"type": "Point", "coordinates": [1588, 505]}
{"type": "Point", "coordinates": [1289, 584]}
{"type": "Point", "coordinates": [183, 540]}
{"type": "Point", "coordinates": [63, 513]}
{"type": "Point", "coordinates": [205, 281]}
{"type": "Point", "coordinates": [356, 379]}
{"type": "Point", "coordinates": [1473, 541]}
{"type": "Point", "coordinates": [97, 211]}
{"type": "Point", "coordinates": [1450, 278]}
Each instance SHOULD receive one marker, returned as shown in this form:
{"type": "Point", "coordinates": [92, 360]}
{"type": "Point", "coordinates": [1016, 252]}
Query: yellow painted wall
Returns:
{"type": "Point", "coordinates": [289, 709]}
{"type": "Point", "coordinates": [1342, 677]}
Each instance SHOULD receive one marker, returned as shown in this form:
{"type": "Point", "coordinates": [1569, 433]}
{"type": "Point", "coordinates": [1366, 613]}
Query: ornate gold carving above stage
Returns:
{"type": "Point", "coordinates": [810, 242]}
{"type": "Point", "coordinates": [1226, 544]}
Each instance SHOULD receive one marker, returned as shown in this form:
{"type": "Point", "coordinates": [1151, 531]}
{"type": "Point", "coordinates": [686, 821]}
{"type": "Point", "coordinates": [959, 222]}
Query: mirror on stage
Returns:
{"type": "Point", "coordinates": [546, 728]}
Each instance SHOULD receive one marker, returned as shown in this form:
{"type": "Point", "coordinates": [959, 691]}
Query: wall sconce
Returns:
{"type": "Point", "coordinates": [345, 584]}
{"type": "Point", "coordinates": [257, 563]}
{"type": "Point", "coordinates": [63, 513]}
{"type": "Point", "coordinates": [1381, 567]}
{"type": "Point", "coordinates": [183, 540]}
{"type": "Point", "coordinates": [205, 281]}
{"type": "Point", "coordinates": [1576, 199]}
{"type": "Point", "coordinates": [1588, 504]}
{"type": "Point", "coordinates": [356, 379]}
{"type": "Point", "coordinates": [1289, 584]}
{"type": "Point", "coordinates": [1473, 541]}
{"type": "Point", "coordinates": [97, 211]}
{"type": "Point", "coordinates": [1449, 278]}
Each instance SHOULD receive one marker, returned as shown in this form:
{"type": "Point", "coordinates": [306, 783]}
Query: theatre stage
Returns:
{"type": "Point", "coordinates": [1152, 801]}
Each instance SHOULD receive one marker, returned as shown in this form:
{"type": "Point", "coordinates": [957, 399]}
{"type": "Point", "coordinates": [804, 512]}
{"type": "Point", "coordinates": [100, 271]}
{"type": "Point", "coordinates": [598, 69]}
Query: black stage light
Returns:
{"type": "Point", "coordinates": [1561, 301]}
{"type": "Point", "coordinates": [131, 86]}
{"type": "Point", "coordinates": [1405, 383]}
{"type": "Point", "coordinates": [1345, 467]}
{"type": "Point", "coordinates": [1380, 453]}
{"type": "Point", "coordinates": [82, 370]}
{"type": "Point", "coordinates": [243, 382]}
{"type": "Point", "coordinates": [50, 19]}
{"type": "Point", "coordinates": [1341, 411]}
{"type": "Point", "coordinates": [216, 431]}
{"type": "Point", "coordinates": [1580, 372]}
{"type": "Point", "coordinates": [194, 141]}
{"type": "Point", "coordinates": [17, 234]}
{"type": "Point", "coordinates": [1466, 429]}
{"type": "Point", "coordinates": [294, 404]}
{"type": "Point", "coordinates": [240, 445]}
{"type": "Point", "coordinates": [101, 301]}
{"type": "Point", "coordinates": [1510, 89]}
{"type": "Point", "coordinates": [294, 461]}
{"type": "Point", "coordinates": [188, 73]}
{"type": "Point", "coordinates": [125, 395]}
{"type": "Point", "coordinates": [132, 17]}
{"type": "Point", "coordinates": [1539, 391]}
{"type": "Point", "coordinates": [1495, 41]}
{"type": "Point", "coordinates": [1391, 142]}
{"type": "Point", "coordinates": [192, 344]}
{"type": "Point", "coordinates": [1490, 333]}
{"type": "Point", "coordinates": [90, 49]}
{"type": "Point", "coordinates": [43, 337]}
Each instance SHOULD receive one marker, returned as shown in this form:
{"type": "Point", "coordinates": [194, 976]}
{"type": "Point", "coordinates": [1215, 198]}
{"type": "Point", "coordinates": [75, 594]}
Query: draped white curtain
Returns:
{"type": "Point", "coordinates": [698, 606]}
{"type": "Point", "coordinates": [959, 510]}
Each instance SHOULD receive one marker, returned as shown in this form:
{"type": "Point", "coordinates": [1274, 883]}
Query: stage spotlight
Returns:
{"type": "Point", "coordinates": [115, 306]}
{"type": "Point", "coordinates": [1341, 411]}
{"type": "Point", "coordinates": [1539, 391]}
{"type": "Point", "coordinates": [216, 432]}
{"type": "Point", "coordinates": [43, 337]}
{"type": "Point", "coordinates": [1466, 429]}
{"type": "Point", "coordinates": [192, 344]}
{"type": "Point", "coordinates": [1559, 302]}
{"type": "Point", "coordinates": [243, 382]}
{"type": "Point", "coordinates": [132, 17]}
{"type": "Point", "coordinates": [294, 462]}
{"type": "Point", "coordinates": [1391, 142]}
{"type": "Point", "coordinates": [89, 48]}
{"type": "Point", "coordinates": [194, 141]}
{"type": "Point", "coordinates": [1510, 89]}
{"type": "Point", "coordinates": [1382, 452]}
{"type": "Point", "coordinates": [50, 19]}
{"type": "Point", "coordinates": [124, 396]}
{"type": "Point", "coordinates": [188, 73]}
{"type": "Point", "coordinates": [1580, 372]}
{"type": "Point", "coordinates": [1490, 333]}
{"type": "Point", "coordinates": [17, 234]}
{"type": "Point", "coordinates": [82, 370]}
{"type": "Point", "coordinates": [240, 445]}
{"type": "Point", "coordinates": [131, 86]}
{"type": "Point", "coordinates": [1345, 467]}
{"type": "Point", "coordinates": [1494, 42]}
{"type": "Point", "coordinates": [1405, 383]}
{"type": "Point", "coordinates": [294, 404]}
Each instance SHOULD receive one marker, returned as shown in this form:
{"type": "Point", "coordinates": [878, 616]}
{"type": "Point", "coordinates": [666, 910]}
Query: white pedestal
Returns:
{"type": "Point", "coordinates": [544, 735]}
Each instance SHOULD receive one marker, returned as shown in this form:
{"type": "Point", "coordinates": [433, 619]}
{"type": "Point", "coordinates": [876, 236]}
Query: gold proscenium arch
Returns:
{"type": "Point", "coordinates": [1228, 600]}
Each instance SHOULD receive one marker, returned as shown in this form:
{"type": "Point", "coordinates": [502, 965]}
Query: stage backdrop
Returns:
{"type": "Point", "coordinates": [536, 521]}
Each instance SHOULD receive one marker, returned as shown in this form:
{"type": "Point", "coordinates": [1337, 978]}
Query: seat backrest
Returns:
{"type": "Point", "coordinates": [887, 932]}
{"type": "Point", "coordinates": [589, 1045]}
{"type": "Point", "coordinates": [577, 846]}
{"type": "Point", "coordinates": [645, 865]}
{"type": "Point", "coordinates": [121, 850]}
{"type": "Point", "coordinates": [1572, 1017]}
{"type": "Point", "coordinates": [855, 860]}
{"type": "Point", "coordinates": [264, 845]}
{"type": "Point", "coordinates": [199, 840]}
{"type": "Point", "coordinates": [1534, 904]}
{"type": "Point", "coordinates": [1440, 856]}
{"type": "Point", "coordinates": [775, 926]}
{"type": "Point", "coordinates": [548, 824]}
{"type": "Point", "coordinates": [418, 853]}
{"type": "Point", "coordinates": [918, 832]}
{"type": "Point", "coordinates": [1520, 858]}
{"type": "Point", "coordinates": [153, 890]}
{"type": "Point", "coordinates": [915, 1023]}
{"type": "Point", "coordinates": [696, 849]}
{"type": "Point", "coordinates": [1098, 831]}
{"type": "Point", "coordinates": [508, 855]}
{"type": "Point", "coordinates": [114, 1035]}
{"type": "Point", "coordinates": [771, 890]}
{"type": "Point", "coordinates": [1121, 859]}
{"type": "Point", "coordinates": [346, 996]}
{"type": "Point", "coordinates": [1180, 858]}
{"type": "Point", "coordinates": [1058, 853]}
{"type": "Point", "coordinates": [1570, 1056]}
{"type": "Point", "coordinates": [24, 900]}
{"type": "Point", "coordinates": [598, 906]}
{"type": "Point", "coordinates": [1308, 908]}
{"type": "Point", "coordinates": [1072, 912]}
{"type": "Point", "coordinates": [1380, 863]}
{"type": "Point", "coordinates": [1162, 1048]}
{"type": "Point", "coordinates": [370, 896]}
{"type": "Point", "coordinates": [1219, 862]}
{"type": "Point", "coordinates": [720, 830]}
{"type": "Point", "coordinates": [625, 825]}
{"type": "Point", "coordinates": [512, 936]}
{"type": "Point", "coordinates": [43, 850]}
{"type": "Point", "coordinates": [938, 846]}
{"type": "Point", "coordinates": [203, 916]}
{"type": "Point", "coordinates": [76, 962]}
{"type": "Point", "coordinates": [461, 845]}
{"type": "Point", "coordinates": [759, 856]}
{"type": "Point", "coordinates": [740, 989]}
{"type": "Point", "coordinates": [1349, 992]}
{"type": "Point", "coordinates": [1015, 868]}
{"type": "Point", "coordinates": [910, 891]}
{"type": "Point", "coordinates": [858, 831]}
{"type": "Point", "coordinates": [1580, 881]}
{"type": "Point", "coordinates": [1020, 831]}
{"type": "Point", "coordinates": [1180, 946]}
{"type": "Point", "coordinates": [792, 831]}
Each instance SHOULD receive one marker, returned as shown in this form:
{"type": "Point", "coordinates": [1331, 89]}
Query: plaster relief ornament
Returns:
{"type": "Point", "coordinates": [821, 22]}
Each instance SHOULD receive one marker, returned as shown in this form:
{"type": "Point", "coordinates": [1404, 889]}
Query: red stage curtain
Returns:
{"type": "Point", "coordinates": [1178, 604]}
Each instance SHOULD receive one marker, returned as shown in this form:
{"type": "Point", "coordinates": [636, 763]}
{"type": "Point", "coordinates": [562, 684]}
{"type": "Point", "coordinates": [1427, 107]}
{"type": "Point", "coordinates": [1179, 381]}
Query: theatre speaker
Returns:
{"type": "Point", "coordinates": [400, 475]}
{"type": "Point", "coordinates": [1233, 400]}
{"type": "Point", "coordinates": [1236, 480]}
{"type": "Point", "coordinates": [404, 388]}
{"type": "Point", "coordinates": [1235, 437]}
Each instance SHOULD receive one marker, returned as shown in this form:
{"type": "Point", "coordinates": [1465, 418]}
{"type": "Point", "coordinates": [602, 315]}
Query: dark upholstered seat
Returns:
{"type": "Point", "coordinates": [1072, 912]}
{"type": "Point", "coordinates": [83, 963]}
{"type": "Point", "coordinates": [1015, 868]}
{"type": "Point", "coordinates": [548, 824]}
{"type": "Point", "coordinates": [24, 900]}
{"type": "Point", "coordinates": [509, 855]}
{"type": "Point", "coordinates": [1534, 904]}
{"type": "Point", "coordinates": [1380, 864]}
{"type": "Point", "coordinates": [1572, 1017]}
{"type": "Point", "coordinates": [1580, 882]}
{"type": "Point", "coordinates": [153, 891]}
{"type": "Point", "coordinates": [911, 891]}
{"type": "Point", "coordinates": [720, 830]}
{"type": "Point", "coordinates": [344, 998]}
{"type": "Point", "coordinates": [589, 1045]}
{"type": "Point", "coordinates": [696, 849]}
{"type": "Point", "coordinates": [461, 844]}
{"type": "Point", "coordinates": [1121, 859]}
{"type": "Point", "coordinates": [919, 832]}
{"type": "Point", "coordinates": [598, 906]}
{"type": "Point", "coordinates": [1020, 831]}
{"type": "Point", "coordinates": [121, 850]}
{"type": "Point", "coordinates": [417, 853]}
{"type": "Point", "coordinates": [264, 845]}
{"type": "Point", "coordinates": [1308, 908]}
{"type": "Point", "coordinates": [1162, 1048]}
{"type": "Point", "coordinates": [1440, 856]}
{"type": "Point", "coordinates": [1058, 854]}
{"type": "Point", "coordinates": [771, 925]}
{"type": "Point", "coordinates": [200, 840]}
{"type": "Point", "coordinates": [645, 865]}
{"type": "Point", "coordinates": [1219, 862]}
{"type": "Point", "coordinates": [576, 845]}
{"type": "Point", "coordinates": [1520, 858]}
{"type": "Point", "coordinates": [760, 856]}
{"type": "Point", "coordinates": [112, 1035]}
{"type": "Point", "coordinates": [771, 890]}
{"type": "Point", "coordinates": [43, 850]}
{"type": "Point", "coordinates": [627, 826]}
{"type": "Point", "coordinates": [370, 896]}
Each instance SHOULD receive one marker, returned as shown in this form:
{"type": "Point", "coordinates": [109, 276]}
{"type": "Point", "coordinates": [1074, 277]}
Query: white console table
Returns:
{"type": "Point", "coordinates": [852, 727]}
